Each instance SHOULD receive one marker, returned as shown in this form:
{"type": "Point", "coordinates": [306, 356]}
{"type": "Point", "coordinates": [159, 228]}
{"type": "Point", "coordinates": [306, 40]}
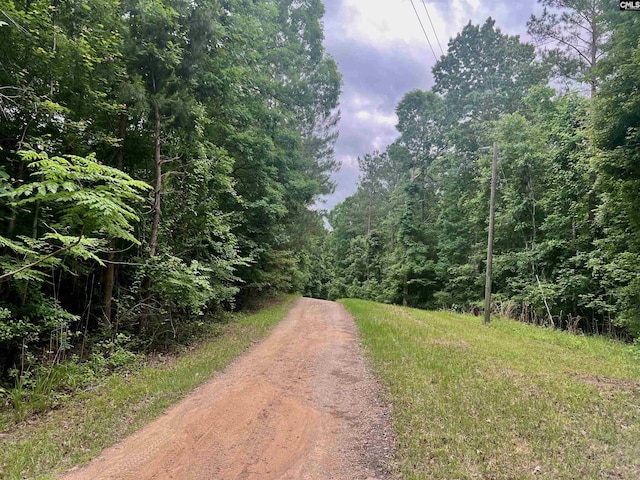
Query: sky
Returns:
{"type": "Point", "coordinates": [382, 54]}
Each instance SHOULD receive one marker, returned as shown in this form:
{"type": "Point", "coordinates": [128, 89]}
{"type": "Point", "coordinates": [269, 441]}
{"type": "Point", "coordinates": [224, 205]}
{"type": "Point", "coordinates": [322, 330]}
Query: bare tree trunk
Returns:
{"type": "Point", "coordinates": [153, 239]}
{"type": "Point", "coordinates": [594, 54]}
{"type": "Point", "coordinates": [546, 304]}
{"type": "Point", "coordinates": [109, 280]}
{"type": "Point", "coordinates": [14, 212]}
{"type": "Point", "coordinates": [369, 233]}
{"type": "Point", "coordinates": [110, 273]}
{"type": "Point", "coordinates": [369, 213]}
{"type": "Point", "coordinates": [34, 226]}
{"type": "Point", "coordinates": [12, 221]}
{"type": "Point", "coordinates": [534, 226]}
{"type": "Point", "coordinates": [54, 47]}
{"type": "Point", "coordinates": [492, 209]}
{"type": "Point", "coordinates": [593, 177]}
{"type": "Point", "coordinates": [405, 290]}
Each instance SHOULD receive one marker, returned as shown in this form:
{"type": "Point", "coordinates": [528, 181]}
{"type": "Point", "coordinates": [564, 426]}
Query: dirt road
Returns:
{"type": "Point", "coordinates": [299, 405]}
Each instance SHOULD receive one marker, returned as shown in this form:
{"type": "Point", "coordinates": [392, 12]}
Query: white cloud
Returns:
{"type": "Point", "coordinates": [380, 142]}
{"type": "Point", "coordinates": [366, 110]}
{"type": "Point", "coordinates": [388, 24]}
{"type": "Point", "coordinates": [379, 23]}
{"type": "Point", "coordinates": [349, 161]}
{"type": "Point", "coordinates": [474, 4]}
{"type": "Point", "coordinates": [367, 116]}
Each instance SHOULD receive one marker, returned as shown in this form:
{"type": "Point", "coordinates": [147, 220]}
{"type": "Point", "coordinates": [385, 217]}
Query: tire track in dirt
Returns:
{"type": "Point", "coordinates": [299, 405]}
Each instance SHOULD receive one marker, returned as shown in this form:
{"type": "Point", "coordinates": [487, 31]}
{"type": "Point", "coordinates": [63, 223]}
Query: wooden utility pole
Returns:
{"type": "Point", "coordinates": [492, 214]}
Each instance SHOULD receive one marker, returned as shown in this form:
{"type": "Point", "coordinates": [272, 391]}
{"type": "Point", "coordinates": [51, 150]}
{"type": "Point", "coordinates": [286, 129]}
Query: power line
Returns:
{"type": "Point", "coordinates": [424, 31]}
{"type": "Point", "coordinates": [424, 4]}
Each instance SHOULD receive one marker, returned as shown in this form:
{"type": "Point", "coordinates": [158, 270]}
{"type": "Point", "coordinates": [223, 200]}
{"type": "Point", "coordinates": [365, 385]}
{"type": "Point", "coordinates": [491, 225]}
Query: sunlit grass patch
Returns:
{"type": "Point", "coordinates": [508, 401]}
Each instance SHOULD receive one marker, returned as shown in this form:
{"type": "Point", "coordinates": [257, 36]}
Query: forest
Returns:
{"type": "Point", "coordinates": [157, 164]}
{"type": "Point", "coordinates": [564, 114]}
{"type": "Point", "coordinates": [160, 160]}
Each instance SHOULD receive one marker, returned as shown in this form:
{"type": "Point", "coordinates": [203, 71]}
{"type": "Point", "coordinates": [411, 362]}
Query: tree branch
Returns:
{"type": "Point", "coordinates": [43, 259]}
{"type": "Point", "coordinates": [568, 44]}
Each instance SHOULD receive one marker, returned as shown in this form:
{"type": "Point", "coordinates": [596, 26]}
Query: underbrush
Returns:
{"type": "Point", "coordinates": [40, 387]}
{"type": "Point", "coordinates": [64, 415]}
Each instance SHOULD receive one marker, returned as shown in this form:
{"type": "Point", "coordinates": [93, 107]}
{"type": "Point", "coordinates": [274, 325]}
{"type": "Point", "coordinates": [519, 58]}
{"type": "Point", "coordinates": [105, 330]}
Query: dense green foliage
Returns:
{"type": "Point", "coordinates": [77, 431]}
{"type": "Point", "coordinates": [157, 162]}
{"type": "Point", "coordinates": [158, 159]}
{"type": "Point", "coordinates": [509, 401]}
{"type": "Point", "coordinates": [567, 227]}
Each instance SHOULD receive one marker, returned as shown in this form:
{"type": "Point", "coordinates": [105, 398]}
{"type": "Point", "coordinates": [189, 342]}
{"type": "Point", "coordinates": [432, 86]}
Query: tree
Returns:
{"type": "Point", "coordinates": [485, 73]}
{"type": "Point", "coordinates": [616, 262]}
{"type": "Point", "coordinates": [279, 131]}
{"type": "Point", "coordinates": [572, 34]}
{"type": "Point", "coordinates": [226, 108]}
{"type": "Point", "coordinates": [89, 198]}
{"type": "Point", "coordinates": [421, 123]}
{"type": "Point", "coordinates": [83, 204]}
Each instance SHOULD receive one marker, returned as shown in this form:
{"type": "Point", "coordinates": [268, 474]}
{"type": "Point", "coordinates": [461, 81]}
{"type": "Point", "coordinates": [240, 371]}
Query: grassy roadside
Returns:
{"type": "Point", "coordinates": [94, 420]}
{"type": "Point", "coordinates": [511, 401]}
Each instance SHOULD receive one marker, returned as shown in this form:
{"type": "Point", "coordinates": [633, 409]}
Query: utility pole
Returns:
{"type": "Point", "coordinates": [492, 214]}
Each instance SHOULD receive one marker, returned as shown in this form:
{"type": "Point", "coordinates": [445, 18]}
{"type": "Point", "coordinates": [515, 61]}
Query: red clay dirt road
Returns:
{"type": "Point", "coordinates": [299, 405]}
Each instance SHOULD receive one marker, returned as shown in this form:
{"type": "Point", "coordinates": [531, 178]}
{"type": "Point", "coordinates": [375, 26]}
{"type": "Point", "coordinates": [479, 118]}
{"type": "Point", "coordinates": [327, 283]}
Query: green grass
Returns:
{"type": "Point", "coordinates": [77, 432]}
{"type": "Point", "coordinates": [510, 401]}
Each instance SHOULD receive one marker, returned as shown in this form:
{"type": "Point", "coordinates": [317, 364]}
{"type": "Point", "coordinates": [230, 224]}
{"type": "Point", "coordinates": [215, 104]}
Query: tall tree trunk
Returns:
{"type": "Point", "coordinates": [153, 239]}
{"type": "Point", "coordinates": [110, 273]}
{"type": "Point", "coordinates": [593, 177]}
{"type": "Point", "coordinates": [492, 214]}
{"type": "Point", "coordinates": [54, 47]}
{"type": "Point", "coordinates": [594, 54]}
{"type": "Point", "coordinates": [405, 290]}
{"type": "Point", "coordinates": [34, 226]}
{"type": "Point", "coordinates": [369, 213]}
{"type": "Point", "coordinates": [12, 221]}
{"type": "Point", "coordinates": [369, 233]}
{"type": "Point", "coordinates": [109, 280]}
{"type": "Point", "coordinates": [14, 212]}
